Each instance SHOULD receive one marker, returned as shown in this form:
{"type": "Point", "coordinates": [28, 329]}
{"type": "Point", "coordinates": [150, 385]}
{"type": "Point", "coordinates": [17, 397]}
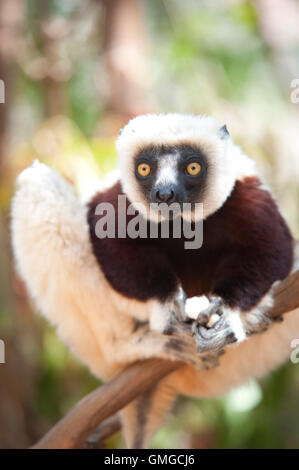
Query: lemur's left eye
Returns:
{"type": "Point", "coordinates": [193, 169]}
{"type": "Point", "coordinates": [143, 169]}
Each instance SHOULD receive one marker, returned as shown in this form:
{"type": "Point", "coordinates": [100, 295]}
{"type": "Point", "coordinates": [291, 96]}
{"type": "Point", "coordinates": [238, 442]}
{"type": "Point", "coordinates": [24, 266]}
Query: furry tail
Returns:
{"type": "Point", "coordinates": [145, 415]}
{"type": "Point", "coordinates": [53, 255]}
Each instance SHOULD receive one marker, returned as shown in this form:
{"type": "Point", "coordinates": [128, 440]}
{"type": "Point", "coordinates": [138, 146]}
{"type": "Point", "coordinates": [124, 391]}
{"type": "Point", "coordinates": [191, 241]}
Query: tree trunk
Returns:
{"type": "Point", "coordinates": [12, 14]}
{"type": "Point", "coordinates": [125, 52]}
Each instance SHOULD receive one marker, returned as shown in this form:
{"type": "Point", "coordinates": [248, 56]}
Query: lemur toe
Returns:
{"type": "Point", "coordinates": [214, 338]}
{"type": "Point", "coordinates": [205, 311]}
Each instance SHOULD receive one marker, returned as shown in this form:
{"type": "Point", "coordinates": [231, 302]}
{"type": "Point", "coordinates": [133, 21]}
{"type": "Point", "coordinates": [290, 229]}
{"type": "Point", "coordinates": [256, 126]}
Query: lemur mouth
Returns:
{"type": "Point", "coordinates": [167, 210]}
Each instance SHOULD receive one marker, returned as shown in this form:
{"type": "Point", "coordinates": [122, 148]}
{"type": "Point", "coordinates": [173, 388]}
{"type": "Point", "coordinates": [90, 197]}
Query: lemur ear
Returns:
{"type": "Point", "coordinates": [223, 132]}
{"type": "Point", "coordinates": [122, 129]}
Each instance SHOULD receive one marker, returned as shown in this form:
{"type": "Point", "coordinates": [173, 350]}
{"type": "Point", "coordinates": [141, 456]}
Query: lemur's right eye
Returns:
{"type": "Point", "coordinates": [144, 169]}
{"type": "Point", "coordinates": [193, 169]}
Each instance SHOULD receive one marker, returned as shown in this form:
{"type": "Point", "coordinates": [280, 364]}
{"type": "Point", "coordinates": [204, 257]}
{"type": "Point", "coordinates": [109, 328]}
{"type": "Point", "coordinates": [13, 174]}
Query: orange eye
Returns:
{"type": "Point", "coordinates": [193, 169]}
{"type": "Point", "coordinates": [143, 169]}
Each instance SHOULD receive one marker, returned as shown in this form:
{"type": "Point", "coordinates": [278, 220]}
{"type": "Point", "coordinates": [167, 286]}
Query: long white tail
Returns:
{"type": "Point", "coordinates": [53, 255]}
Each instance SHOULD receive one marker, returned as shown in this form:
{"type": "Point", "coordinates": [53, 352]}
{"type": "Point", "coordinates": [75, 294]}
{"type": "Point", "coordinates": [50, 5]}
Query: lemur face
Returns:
{"type": "Point", "coordinates": [179, 158]}
{"type": "Point", "coordinates": [171, 173]}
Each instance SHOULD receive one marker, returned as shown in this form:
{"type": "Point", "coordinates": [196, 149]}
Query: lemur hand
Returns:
{"type": "Point", "coordinates": [211, 329]}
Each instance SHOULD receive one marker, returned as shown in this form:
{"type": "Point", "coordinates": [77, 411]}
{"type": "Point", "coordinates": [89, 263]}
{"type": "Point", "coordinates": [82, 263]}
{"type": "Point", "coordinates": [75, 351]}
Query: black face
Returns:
{"type": "Point", "coordinates": [171, 173]}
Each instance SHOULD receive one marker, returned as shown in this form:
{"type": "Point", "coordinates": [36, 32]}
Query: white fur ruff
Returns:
{"type": "Point", "coordinates": [226, 161]}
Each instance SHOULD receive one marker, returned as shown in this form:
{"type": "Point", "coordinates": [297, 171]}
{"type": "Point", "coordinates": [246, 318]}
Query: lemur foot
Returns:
{"type": "Point", "coordinates": [180, 343]}
{"type": "Point", "coordinates": [213, 338]}
{"type": "Point", "coordinates": [218, 326]}
{"type": "Point", "coordinates": [206, 326]}
{"type": "Point", "coordinates": [215, 326]}
{"type": "Point", "coordinates": [194, 327]}
{"type": "Point", "coordinates": [183, 341]}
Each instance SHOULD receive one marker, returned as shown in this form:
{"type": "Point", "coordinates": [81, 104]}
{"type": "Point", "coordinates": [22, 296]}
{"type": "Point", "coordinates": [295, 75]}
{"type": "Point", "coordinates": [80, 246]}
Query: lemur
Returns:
{"type": "Point", "coordinates": [121, 299]}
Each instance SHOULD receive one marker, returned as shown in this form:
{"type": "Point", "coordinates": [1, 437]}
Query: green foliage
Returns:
{"type": "Point", "coordinates": [205, 57]}
{"type": "Point", "coordinates": [63, 382]}
{"type": "Point", "coordinates": [80, 93]}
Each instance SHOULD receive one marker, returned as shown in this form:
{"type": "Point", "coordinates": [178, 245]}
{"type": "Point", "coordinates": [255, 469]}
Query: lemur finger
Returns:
{"type": "Point", "coordinates": [215, 338]}
{"type": "Point", "coordinates": [194, 306]}
{"type": "Point", "coordinates": [203, 310]}
{"type": "Point", "coordinates": [212, 312]}
{"type": "Point", "coordinates": [178, 306]}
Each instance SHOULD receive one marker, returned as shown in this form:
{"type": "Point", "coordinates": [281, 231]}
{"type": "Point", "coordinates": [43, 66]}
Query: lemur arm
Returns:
{"type": "Point", "coordinates": [261, 253]}
{"type": "Point", "coordinates": [263, 243]}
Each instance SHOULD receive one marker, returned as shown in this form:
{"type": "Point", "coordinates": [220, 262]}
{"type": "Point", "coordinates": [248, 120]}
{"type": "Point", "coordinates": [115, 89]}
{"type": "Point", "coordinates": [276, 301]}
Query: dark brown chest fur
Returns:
{"type": "Point", "coordinates": [196, 267]}
{"type": "Point", "coordinates": [246, 247]}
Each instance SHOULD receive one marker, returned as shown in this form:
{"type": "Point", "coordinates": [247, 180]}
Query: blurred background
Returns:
{"type": "Point", "coordinates": [74, 73]}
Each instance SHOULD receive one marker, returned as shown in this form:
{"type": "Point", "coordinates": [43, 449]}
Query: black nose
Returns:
{"type": "Point", "coordinates": [165, 195]}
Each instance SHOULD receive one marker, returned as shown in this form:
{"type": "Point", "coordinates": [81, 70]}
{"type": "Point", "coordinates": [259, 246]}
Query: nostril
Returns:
{"type": "Point", "coordinates": [165, 195]}
{"type": "Point", "coordinates": [171, 196]}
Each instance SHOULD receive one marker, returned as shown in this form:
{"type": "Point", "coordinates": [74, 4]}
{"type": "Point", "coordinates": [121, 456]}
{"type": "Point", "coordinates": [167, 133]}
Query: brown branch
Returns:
{"type": "Point", "coordinates": [73, 430]}
{"type": "Point", "coordinates": [286, 297]}
{"type": "Point", "coordinates": [102, 432]}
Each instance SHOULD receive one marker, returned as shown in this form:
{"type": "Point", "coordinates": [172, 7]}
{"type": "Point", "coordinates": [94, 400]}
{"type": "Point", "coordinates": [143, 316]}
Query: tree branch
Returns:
{"type": "Point", "coordinates": [73, 430]}
{"type": "Point", "coordinates": [286, 296]}
{"type": "Point", "coordinates": [106, 429]}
